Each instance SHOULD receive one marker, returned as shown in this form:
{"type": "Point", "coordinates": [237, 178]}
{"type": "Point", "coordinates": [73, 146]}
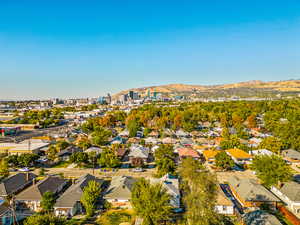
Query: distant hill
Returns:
{"type": "Point", "coordinates": [255, 88]}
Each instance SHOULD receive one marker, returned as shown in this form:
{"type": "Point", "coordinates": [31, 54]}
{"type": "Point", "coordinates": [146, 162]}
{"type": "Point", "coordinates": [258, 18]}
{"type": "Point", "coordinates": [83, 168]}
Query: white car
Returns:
{"type": "Point", "coordinates": [25, 169]}
{"type": "Point", "coordinates": [138, 170]}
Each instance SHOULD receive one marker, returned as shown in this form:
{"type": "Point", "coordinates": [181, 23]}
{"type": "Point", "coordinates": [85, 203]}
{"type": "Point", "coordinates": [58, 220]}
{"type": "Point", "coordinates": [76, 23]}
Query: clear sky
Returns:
{"type": "Point", "coordinates": [73, 48]}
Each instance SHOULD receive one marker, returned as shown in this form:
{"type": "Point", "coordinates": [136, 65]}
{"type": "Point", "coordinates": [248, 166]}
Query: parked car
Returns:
{"type": "Point", "coordinates": [138, 170]}
{"type": "Point", "coordinates": [25, 169]}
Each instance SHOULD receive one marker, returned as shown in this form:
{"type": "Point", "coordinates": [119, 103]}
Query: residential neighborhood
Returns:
{"type": "Point", "coordinates": [115, 155]}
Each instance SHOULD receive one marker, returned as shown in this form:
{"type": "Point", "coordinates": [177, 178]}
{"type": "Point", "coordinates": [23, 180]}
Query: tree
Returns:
{"type": "Point", "coordinates": [231, 142]}
{"type": "Point", "coordinates": [108, 158]}
{"type": "Point", "coordinates": [61, 145]}
{"type": "Point", "coordinates": [224, 161]}
{"type": "Point", "coordinates": [51, 153]}
{"type": "Point", "coordinates": [48, 201]}
{"type": "Point", "coordinates": [4, 172]}
{"type": "Point", "coordinates": [273, 144]}
{"type": "Point", "coordinates": [89, 197]}
{"type": "Point", "coordinates": [151, 202]}
{"type": "Point", "coordinates": [44, 219]}
{"type": "Point", "coordinates": [13, 159]}
{"type": "Point", "coordinates": [132, 126]}
{"type": "Point", "coordinates": [84, 144]}
{"type": "Point", "coordinates": [271, 169]}
{"type": "Point", "coordinates": [100, 136]}
{"type": "Point", "coordinates": [79, 157]}
{"type": "Point", "coordinates": [137, 162]}
{"type": "Point", "coordinates": [27, 159]}
{"type": "Point", "coordinates": [165, 160]}
{"type": "Point", "coordinates": [200, 193]}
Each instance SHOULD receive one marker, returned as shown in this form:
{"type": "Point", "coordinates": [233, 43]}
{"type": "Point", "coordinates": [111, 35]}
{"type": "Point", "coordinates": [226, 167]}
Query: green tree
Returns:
{"type": "Point", "coordinates": [79, 157]}
{"type": "Point", "coordinates": [89, 197]}
{"type": "Point", "coordinates": [271, 170]}
{"type": "Point", "coordinates": [200, 193]}
{"type": "Point", "coordinates": [27, 159]}
{"type": "Point", "coordinates": [150, 202]}
{"type": "Point", "coordinates": [4, 172]}
{"type": "Point", "coordinates": [84, 144]}
{"type": "Point", "coordinates": [108, 158]}
{"type": "Point", "coordinates": [100, 136]}
{"type": "Point", "coordinates": [273, 144]}
{"type": "Point", "coordinates": [165, 160]}
{"type": "Point", "coordinates": [48, 201]}
{"type": "Point", "coordinates": [13, 159]}
{"type": "Point", "coordinates": [224, 161]}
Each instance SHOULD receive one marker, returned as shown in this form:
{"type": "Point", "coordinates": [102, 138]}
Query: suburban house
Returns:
{"type": "Point", "coordinates": [15, 183]}
{"type": "Point", "coordinates": [289, 193]}
{"type": "Point", "coordinates": [124, 134]}
{"type": "Point", "coordinates": [239, 156]}
{"type": "Point", "coordinates": [188, 152]}
{"type": "Point", "coordinates": [261, 152]}
{"type": "Point", "coordinates": [65, 154]}
{"type": "Point", "coordinates": [224, 205]}
{"type": "Point", "coordinates": [291, 155]}
{"type": "Point", "coordinates": [138, 151]}
{"type": "Point", "coordinates": [258, 217]}
{"type": "Point", "coordinates": [181, 134]}
{"type": "Point", "coordinates": [119, 191]}
{"type": "Point", "coordinates": [94, 149]}
{"type": "Point", "coordinates": [171, 185]}
{"type": "Point", "coordinates": [32, 146]}
{"type": "Point", "coordinates": [250, 193]}
{"type": "Point", "coordinates": [210, 155]}
{"type": "Point", "coordinates": [68, 204]}
{"type": "Point", "coordinates": [32, 196]}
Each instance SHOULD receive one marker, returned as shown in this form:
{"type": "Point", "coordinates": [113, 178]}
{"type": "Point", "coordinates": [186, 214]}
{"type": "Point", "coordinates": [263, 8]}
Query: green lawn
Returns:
{"type": "Point", "coordinates": [62, 164]}
{"type": "Point", "coordinates": [115, 217]}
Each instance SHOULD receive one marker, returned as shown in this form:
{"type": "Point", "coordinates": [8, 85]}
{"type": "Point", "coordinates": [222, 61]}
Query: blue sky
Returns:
{"type": "Point", "coordinates": [72, 48]}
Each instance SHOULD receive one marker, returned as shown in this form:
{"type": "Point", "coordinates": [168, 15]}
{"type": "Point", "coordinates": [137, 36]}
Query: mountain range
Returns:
{"type": "Point", "coordinates": [254, 88]}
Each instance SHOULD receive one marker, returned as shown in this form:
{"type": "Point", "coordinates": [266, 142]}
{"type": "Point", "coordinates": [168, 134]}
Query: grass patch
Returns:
{"type": "Point", "coordinates": [62, 164]}
{"type": "Point", "coordinates": [115, 217]}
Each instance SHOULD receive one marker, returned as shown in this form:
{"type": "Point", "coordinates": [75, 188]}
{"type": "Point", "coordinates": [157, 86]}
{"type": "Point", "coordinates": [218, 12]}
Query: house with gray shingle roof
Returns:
{"type": "Point", "coordinates": [68, 204]}
{"type": "Point", "coordinates": [15, 183]}
{"type": "Point", "coordinates": [119, 191]}
{"type": "Point", "coordinates": [260, 217]}
{"type": "Point", "coordinates": [250, 193]}
{"type": "Point", "coordinates": [171, 185]}
{"type": "Point", "coordinates": [31, 197]}
{"type": "Point", "coordinates": [291, 155]}
{"type": "Point", "coordinates": [289, 193]}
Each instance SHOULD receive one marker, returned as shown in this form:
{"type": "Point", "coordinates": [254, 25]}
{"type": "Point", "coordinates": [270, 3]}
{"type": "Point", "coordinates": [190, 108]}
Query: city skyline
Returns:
{"type": "Point", "coordinates": [57, 49]}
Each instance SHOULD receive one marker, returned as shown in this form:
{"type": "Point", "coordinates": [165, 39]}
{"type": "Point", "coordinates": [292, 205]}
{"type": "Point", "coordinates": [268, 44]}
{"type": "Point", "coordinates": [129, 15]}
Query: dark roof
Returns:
{"type": "Point", "coordinates": [36, 191]}
{"type": "Point", "coordinates": [69, 151]}
{"type": "Point", "coordinates": [15, 183]}
{"type": "Point", "coordinates": [73, 194]}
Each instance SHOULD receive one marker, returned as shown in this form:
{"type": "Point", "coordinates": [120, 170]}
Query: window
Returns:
{"type": "Point", "coordinates": [224, 208]}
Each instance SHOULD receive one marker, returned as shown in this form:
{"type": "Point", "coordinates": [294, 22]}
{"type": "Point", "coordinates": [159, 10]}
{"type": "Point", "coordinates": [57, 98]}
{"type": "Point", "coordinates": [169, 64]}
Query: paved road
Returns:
{"type": "Point", "coordinates": [77, 172]}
